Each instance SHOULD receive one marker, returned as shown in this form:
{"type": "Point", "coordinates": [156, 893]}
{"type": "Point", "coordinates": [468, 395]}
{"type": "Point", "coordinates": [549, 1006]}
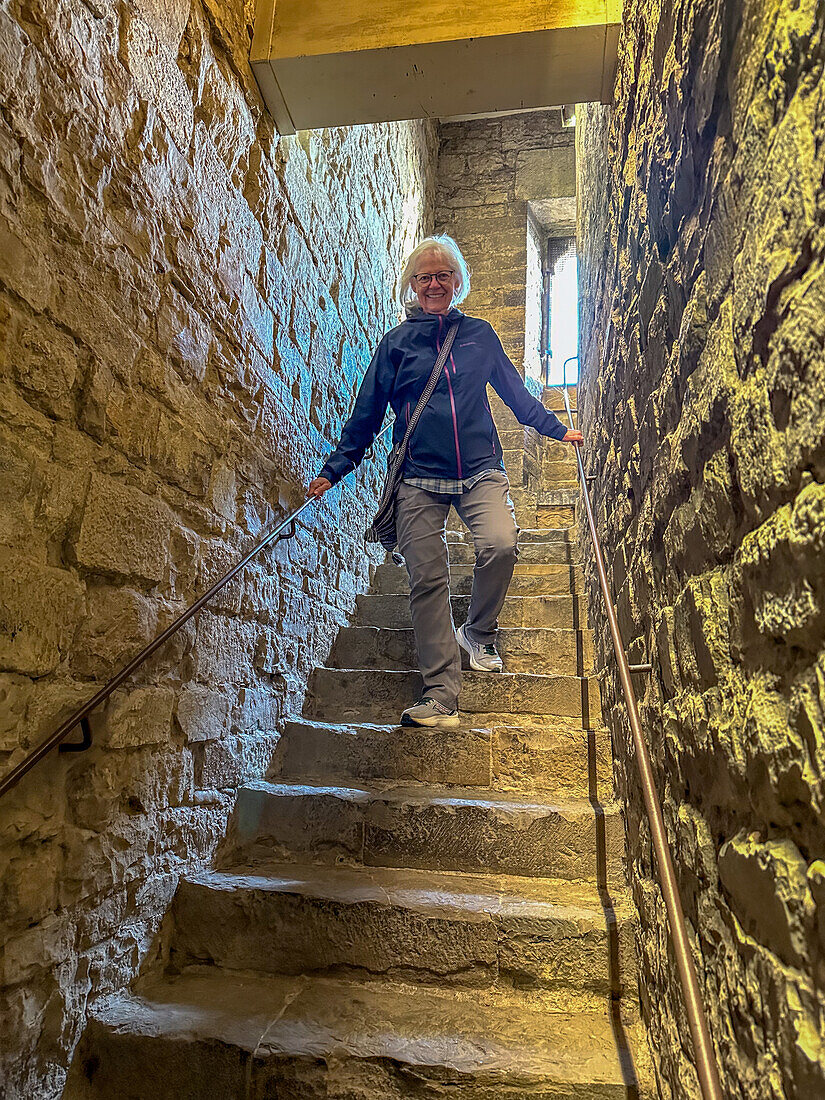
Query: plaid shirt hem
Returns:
{"type": "Point", "coordinates": [449, 486]}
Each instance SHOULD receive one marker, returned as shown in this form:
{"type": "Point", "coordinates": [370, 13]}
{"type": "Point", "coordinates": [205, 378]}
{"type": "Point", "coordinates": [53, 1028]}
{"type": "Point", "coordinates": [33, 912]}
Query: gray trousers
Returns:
{"type": "Point", "coordinates": [421, 523]}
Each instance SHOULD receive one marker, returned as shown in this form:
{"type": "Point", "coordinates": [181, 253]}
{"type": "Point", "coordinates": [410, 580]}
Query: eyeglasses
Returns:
{"type": "Point", "coordinates": [443, 277]}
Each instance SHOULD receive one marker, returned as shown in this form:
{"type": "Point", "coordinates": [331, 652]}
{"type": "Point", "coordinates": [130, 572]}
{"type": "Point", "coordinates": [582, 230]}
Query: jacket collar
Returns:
{"type": "Point", "coordinates": [414, 312]}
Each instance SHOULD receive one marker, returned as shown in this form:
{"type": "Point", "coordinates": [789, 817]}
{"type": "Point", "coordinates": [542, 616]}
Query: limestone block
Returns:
{"type": "Point", "coordinates": [224, 650]}
{"type": "Point", "coordinates": [256, 708]}
{"type": "Point", "coordinates": [816, 884]}
{"type": "Point", "coordinates": [768, 886]}
{"type": "Point", "coordinates": [557, 757]}
{"type": "Point", "coordinates": [223, 491]}
{"type": "Point", "coordinates": [202, 712]}
{"type": "Point", "coordinates": [123, 532]}
{"type": "Point", "coordinates": [118, 623]}
{"type": "Point", "coordinates": [293, 821]}
{"type": "Point", "coordinates": [194, 1033]}
{"type": "Point", "coordinates": [167, 19]}
{"type": "Point", "coordinates": [120, 790]}
{"type": "Point", "coordinates": [24, 266]}
{"type": "Point", "coordinates": [35, 949]}
{"type": "Point", "coordinates": [94, 863]}
{"type": "Point", "coordinates": [31, 882]}
{"type": "Point", "coordinates": [463, 930]}
{"type": "Point", "coordinates": [545, 173]}
{"type": "Point", "coordinates": [780, 564]}
{"type": "Point", "coordinates": [60, 502]}
{"type": "Point", "coordinates": [476, 835]}
{"type": "Point", "coordinates": [12, 55]}
{"type": "Point", "coordinates": [47, 367]}
{"type": "Point", "coordinates": [39, 611]}
{"type": "Point", "coordinates": [215, 558]}
{"type": "Point", "coordinates": [225, 764]}
{"type": "Point", "coordinates": [153, 66]}
{"type": "Point", "coordinates": [134, 717]}
{"type": "Point", "coordinates": [16, 489]}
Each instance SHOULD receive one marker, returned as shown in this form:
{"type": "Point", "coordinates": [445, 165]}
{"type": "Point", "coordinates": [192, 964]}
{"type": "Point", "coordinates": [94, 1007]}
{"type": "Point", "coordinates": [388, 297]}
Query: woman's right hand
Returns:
{"type": "Point", "coordinates": [318, 486]}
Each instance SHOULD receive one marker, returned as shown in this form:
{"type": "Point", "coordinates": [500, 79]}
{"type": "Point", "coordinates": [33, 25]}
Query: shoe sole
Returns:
{"type": "Point", "coordinates": [477, 667]}
{"type": "Point", "coordinates": [445, 721]}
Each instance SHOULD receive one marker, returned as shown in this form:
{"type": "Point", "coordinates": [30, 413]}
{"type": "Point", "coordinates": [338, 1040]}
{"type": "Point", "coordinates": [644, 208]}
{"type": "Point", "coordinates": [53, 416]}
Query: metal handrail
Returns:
{"type": "Point", "coordinates": [80, 717]}
{"type": "Point", "coordinates": [702, 1046]}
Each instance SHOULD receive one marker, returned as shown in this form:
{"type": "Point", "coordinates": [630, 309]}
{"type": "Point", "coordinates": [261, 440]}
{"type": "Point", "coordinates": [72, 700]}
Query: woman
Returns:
{"type": "Point", "coordinates": [454, 459]}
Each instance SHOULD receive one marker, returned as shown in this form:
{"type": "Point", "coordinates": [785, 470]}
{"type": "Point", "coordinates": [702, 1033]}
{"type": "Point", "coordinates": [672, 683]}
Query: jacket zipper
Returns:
{"type": "Point", "coordinates": [493, 423]}
{"type": "Point", "coordinates": [452, 400]}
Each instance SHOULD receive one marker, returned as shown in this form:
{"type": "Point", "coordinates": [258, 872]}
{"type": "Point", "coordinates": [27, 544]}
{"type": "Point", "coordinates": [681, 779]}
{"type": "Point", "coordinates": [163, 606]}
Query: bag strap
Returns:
{"type": "Point", "coordinates": [427, 392]}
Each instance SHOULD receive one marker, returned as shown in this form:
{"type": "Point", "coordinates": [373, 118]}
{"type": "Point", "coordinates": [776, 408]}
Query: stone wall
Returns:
{"type": "Point", "coordinates": [187, 304]}
{"type": "Point", "coordinates": [489, 172]}
{"type": "Point", "coordinates": [702, 233]}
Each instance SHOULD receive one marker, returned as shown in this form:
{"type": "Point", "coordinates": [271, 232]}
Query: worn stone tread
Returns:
{"type": "Point", "coordinates": [528, 580]}
{"type": "Point", "coordinates": [559, 611]}
{"type": "Point", "coordinates": [506, 801]}
{"type": "Point", "coordinates": [555, 754]}
{"type": "Point", "coordinates": [542, 650]}
{"type": "Point", "coordinates": [223, 1032]}
{"type": "Point", "coordinates": [334, 751]}
{"type": "Point", "coordinates": [560, 555]}
{"type": "Point", "coordinates": [473, 896]}
{"type": "Point", "coordinates": [551, 498]}
{"type": "Point", "coordinates": [433, 927]}
{"type": "Point", "coordinates": [546, 535]}
{"type": "Point", "coordinates": [455, 829]}
{"type": "Point", "coordinates": [377, 695]}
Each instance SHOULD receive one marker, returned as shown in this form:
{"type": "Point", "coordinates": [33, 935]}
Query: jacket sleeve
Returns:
{"type": "Point", "coordinates": [366, 417]}
{"type": "Point", "coordinates": [509, 385]}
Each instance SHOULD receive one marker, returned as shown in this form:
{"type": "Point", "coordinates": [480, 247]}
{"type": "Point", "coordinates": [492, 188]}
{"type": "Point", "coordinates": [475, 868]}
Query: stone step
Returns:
{"type": "Point", "coordinates": [332, 752]}
{"type": "Point", "coordinates": [529, 580]}
{"type": "Point", "coordinates": [444, 829]}
{"type": "Point", "coordinates": [557, 507]}
{"type": "Point", "coordinates": [556, 757]}
{"type": "Point", "coordinates": [554, 612]}
{"type": "Point", "coordinates": [561, 478]}
{"type": "Point", "coordinates": [524, 505]}
{"type": "Point", "coordinates": [522, 466]}
{"type": "Point", "coordinates": [212, 1033]}
{"type": "Point", "coordinates": [559, 497]}
{"type": "Point", "coordinates": [546, 536]}
{"type": "Point", "coordinates": [417, 926]}
{"type": "Point", "coordinates": [379, 695]}
{"type": "Point", "coordinates": [538, 553]}
{"type": "Point", "coordinates": [555, 652]}
{"type": "Point", "coordinates": [554, 515]}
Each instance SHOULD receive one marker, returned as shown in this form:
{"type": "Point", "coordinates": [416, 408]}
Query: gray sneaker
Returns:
{"type": "Point", "coordinates": [483, 658]}
{"type": "Point", "coordinates": [427, 712]}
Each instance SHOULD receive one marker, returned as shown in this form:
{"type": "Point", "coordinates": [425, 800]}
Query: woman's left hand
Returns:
{"type": "Point", "coordinates": [572, 436]}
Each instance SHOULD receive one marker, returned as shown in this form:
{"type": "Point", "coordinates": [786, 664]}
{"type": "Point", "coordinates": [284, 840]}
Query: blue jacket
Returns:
{"type": "Point", "coordinates": [455, 436]}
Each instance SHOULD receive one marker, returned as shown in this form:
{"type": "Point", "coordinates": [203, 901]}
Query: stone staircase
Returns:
{"type": "Point", "coordinates": [407, 912]}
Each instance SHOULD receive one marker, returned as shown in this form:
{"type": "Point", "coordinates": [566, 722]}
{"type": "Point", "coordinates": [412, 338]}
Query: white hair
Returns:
{"type": "Point", "coordinates": [447, 248]}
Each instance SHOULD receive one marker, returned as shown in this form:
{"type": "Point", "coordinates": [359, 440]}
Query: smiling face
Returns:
{"type": "Point", "coordinates": [433, 296]}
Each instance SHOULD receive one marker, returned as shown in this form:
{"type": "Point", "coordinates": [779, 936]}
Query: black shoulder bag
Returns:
{"type": "Point", "coordinates": [383, 524]}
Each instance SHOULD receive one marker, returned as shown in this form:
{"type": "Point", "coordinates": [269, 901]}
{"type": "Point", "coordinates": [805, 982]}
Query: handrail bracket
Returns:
{"type": "Point", "coordinates": [84, 743]}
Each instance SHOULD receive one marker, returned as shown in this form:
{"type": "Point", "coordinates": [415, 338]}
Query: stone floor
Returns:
{"type": "Point", "coordinates": [408, 912]}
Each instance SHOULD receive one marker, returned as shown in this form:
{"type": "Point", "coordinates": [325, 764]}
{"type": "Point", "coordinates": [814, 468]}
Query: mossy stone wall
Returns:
{"type": "Point", "coordinates": [702, 269]}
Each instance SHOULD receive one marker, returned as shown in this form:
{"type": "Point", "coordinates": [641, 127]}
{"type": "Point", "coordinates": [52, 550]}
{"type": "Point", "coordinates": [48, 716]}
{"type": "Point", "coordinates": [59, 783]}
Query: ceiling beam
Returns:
{"type": "Point", "coordinates": [322, 63]}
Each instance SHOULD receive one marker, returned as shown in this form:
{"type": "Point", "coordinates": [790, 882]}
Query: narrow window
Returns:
{"type": "Point", "coordinates": [561, 312]}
